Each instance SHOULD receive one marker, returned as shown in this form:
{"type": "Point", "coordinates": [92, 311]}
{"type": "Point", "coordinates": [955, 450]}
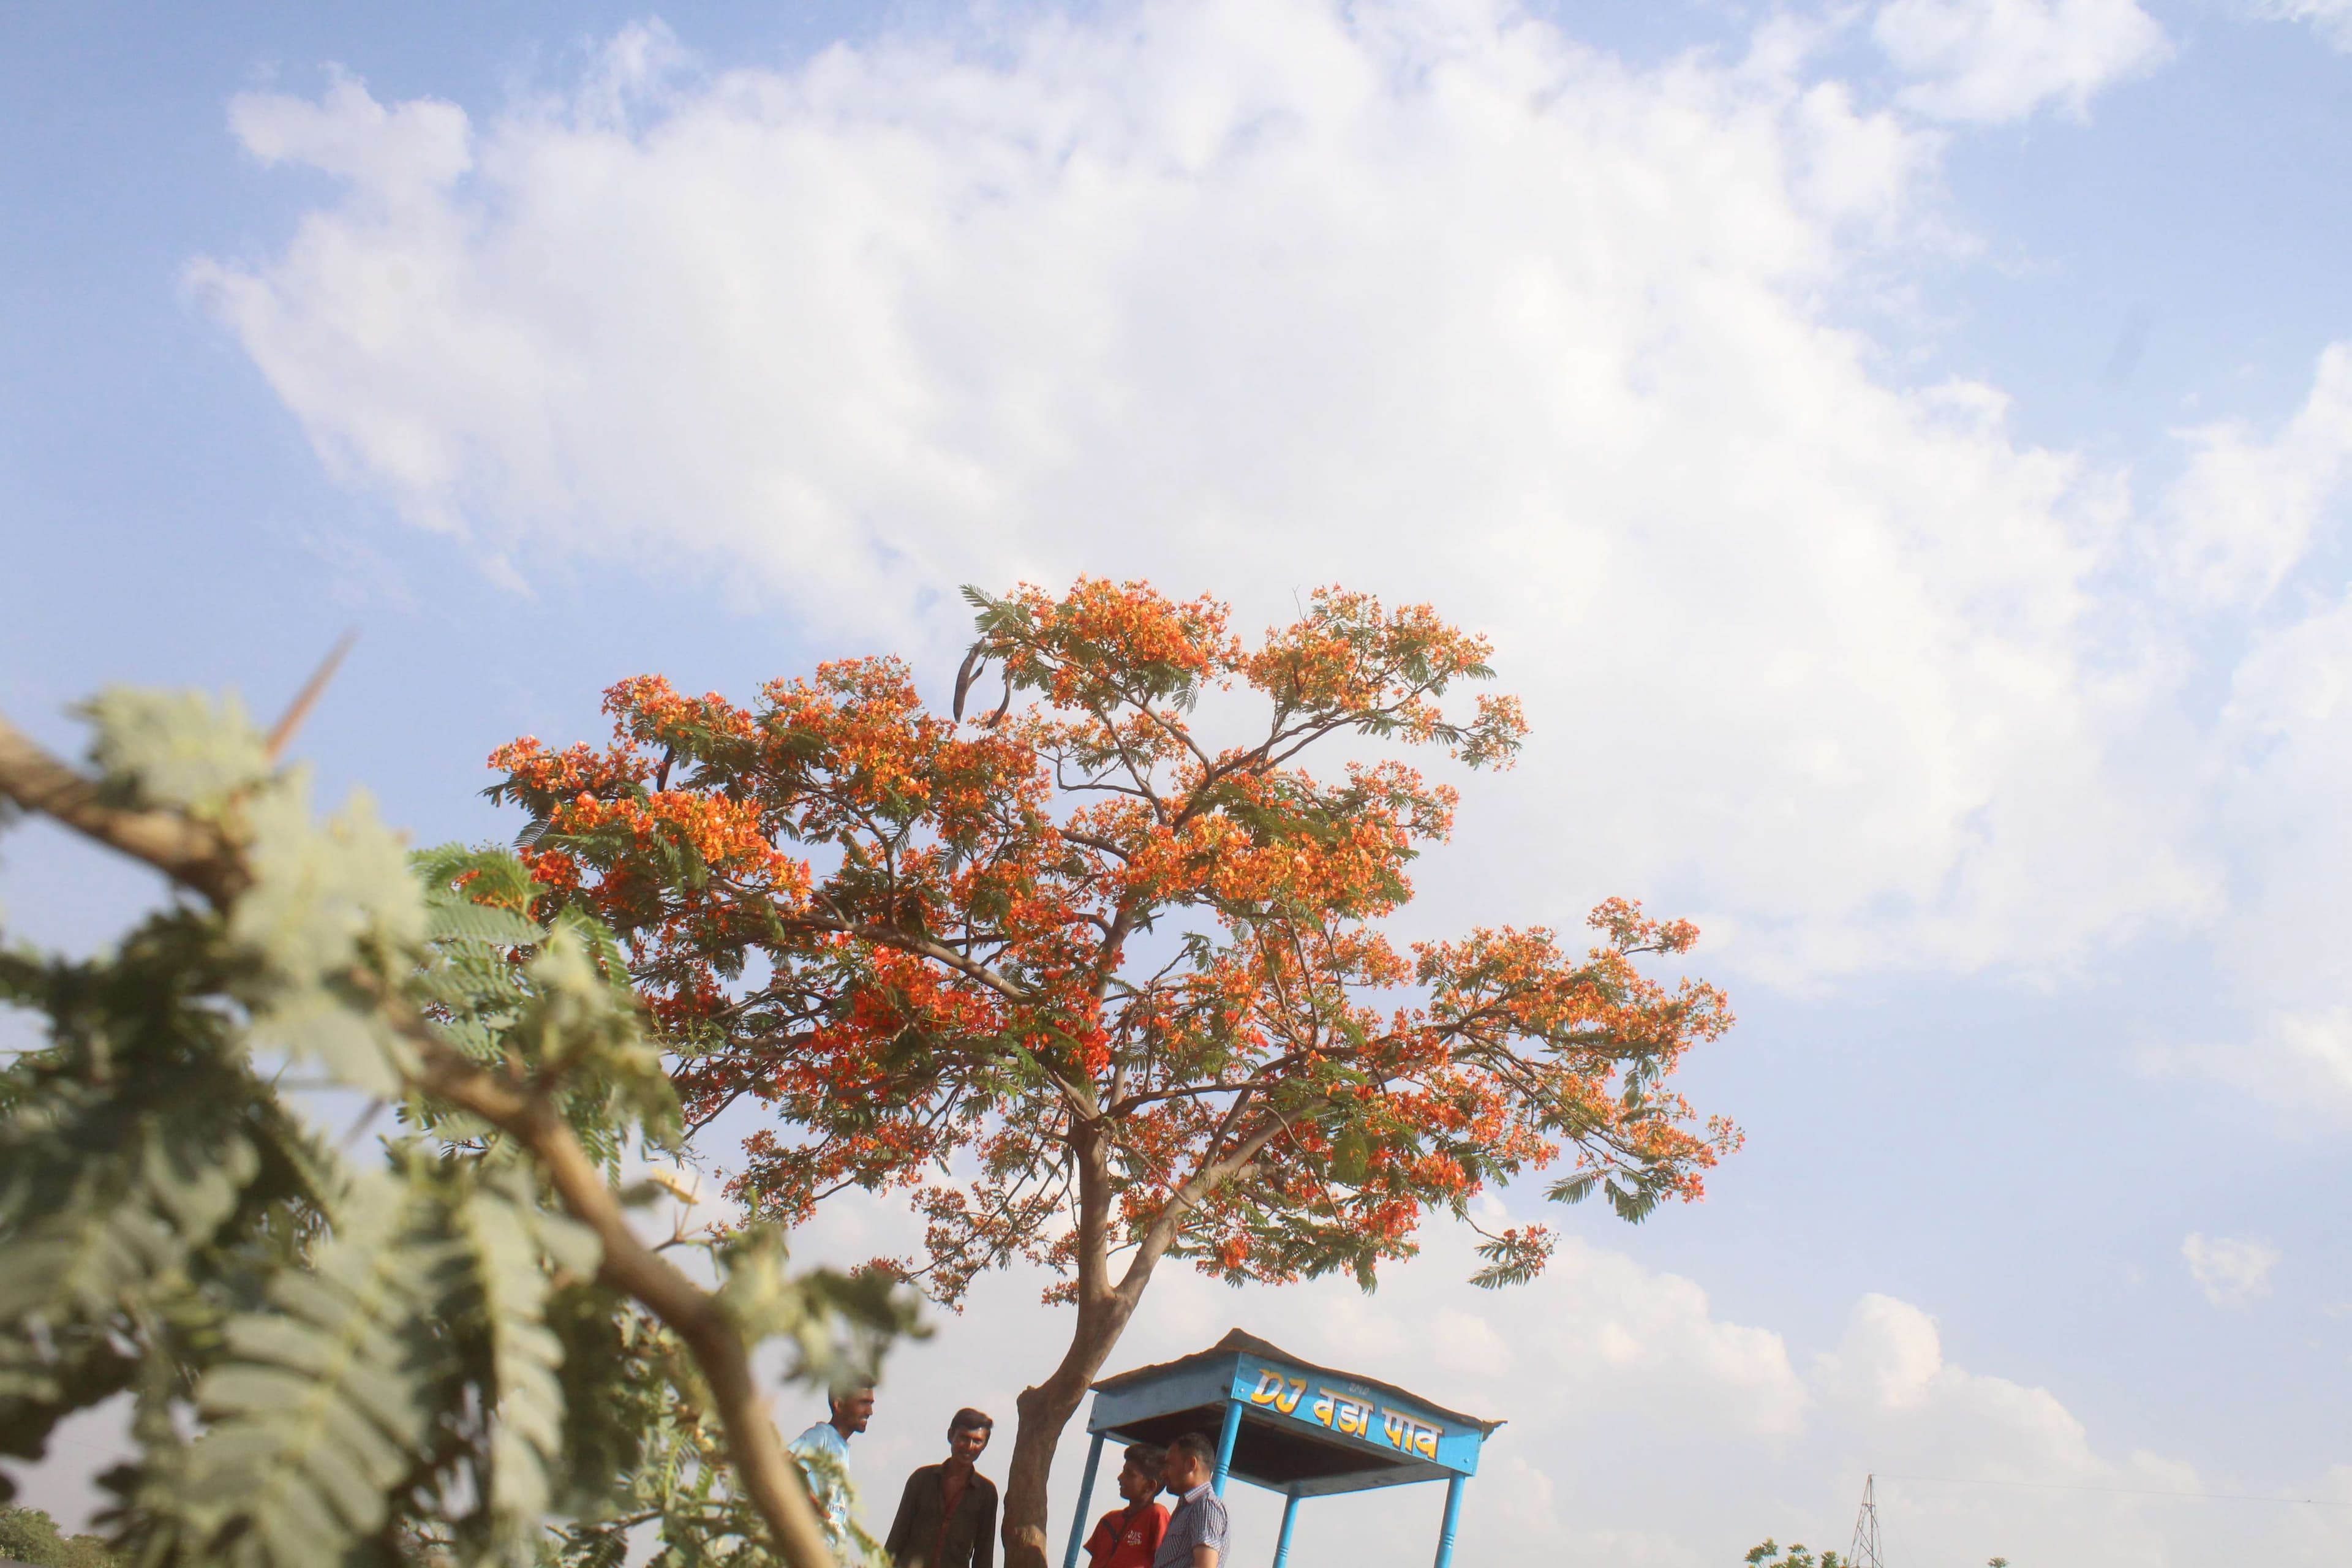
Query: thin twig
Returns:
{"type": "Point", "coordinates": [304, 699]}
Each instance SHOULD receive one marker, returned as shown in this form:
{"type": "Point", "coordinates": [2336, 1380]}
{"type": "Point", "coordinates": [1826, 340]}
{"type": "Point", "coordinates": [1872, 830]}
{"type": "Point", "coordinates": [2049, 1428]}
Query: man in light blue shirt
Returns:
{"type": "Point", "coordinates": [822, 1454]}
{"type": "Point", "coordinates": [1197, 1530]}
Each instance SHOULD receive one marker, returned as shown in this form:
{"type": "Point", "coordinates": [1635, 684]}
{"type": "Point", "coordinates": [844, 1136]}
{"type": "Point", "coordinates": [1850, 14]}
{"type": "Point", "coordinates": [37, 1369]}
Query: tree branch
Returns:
{"type": "Point", "coordinates": [1077, 1091]}
{"type": "Point", "coordinates": [1250, 1085]}
{"type": "Point", "coordinates": [1161, 1233]}
{"type": "Point", "coordinates": [192, 853]}
{"type": "Point", "coordinates": [762, 1468]}
{"type": "Point", "coordinates": [1089, 841]}
{"type": "Point", "coordinates": [921, 947]}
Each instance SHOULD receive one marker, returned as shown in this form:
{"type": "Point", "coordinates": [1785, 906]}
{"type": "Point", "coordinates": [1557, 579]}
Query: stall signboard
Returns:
{"type": "Point", "coordinates": [1357, 1412]}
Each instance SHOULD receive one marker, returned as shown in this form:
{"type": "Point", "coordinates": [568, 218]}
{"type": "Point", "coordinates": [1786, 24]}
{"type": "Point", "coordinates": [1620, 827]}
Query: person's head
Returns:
{"type": "Point", "coordinates": [1190, 1460]}
{"type": "Point", "coordinates": [969, 1433]}
{"type": "Point", "coordinates": [852, 1409]}
{"type": "Point", "coordinates": [1139, 1478]}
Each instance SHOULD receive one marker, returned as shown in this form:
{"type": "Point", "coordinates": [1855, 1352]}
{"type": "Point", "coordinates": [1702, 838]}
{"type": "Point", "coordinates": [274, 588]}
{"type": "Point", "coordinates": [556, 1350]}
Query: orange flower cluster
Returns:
{"type": "Point", "coordinates": [1100, 982]}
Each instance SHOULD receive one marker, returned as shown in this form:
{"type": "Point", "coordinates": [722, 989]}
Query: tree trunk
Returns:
{"type": "Point", "coordinates": [1044, 1413]}
{"type": "Point", "coordinates": [1103, 1314]}
{"type": "Point", "coordinates": [1045, 1409]}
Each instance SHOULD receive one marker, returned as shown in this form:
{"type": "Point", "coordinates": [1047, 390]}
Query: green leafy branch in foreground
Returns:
{"type": "Point", "coordinates": [341, 1362]}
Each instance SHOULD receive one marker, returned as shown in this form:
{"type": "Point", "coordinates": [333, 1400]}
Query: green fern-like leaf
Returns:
{"type": "Point", "coordinates": [587, 1546]}
{"type": "Point", "coordinates": [452, 919]}
{"type": "Point", "coordinates": [494, 1225]}
{"type": "Point", "coordinates": [1573, 1189]}
{"type": "Point", "coordinates": [614, 1392]}
{"type": "Point", "coordinates": [169, 1185]}
{"type": "Point", "coordinates": [101, 1212]}
{"type": "Point", "coordinates": [325, 1402]}
{"type": "Point", "coordinates": [471, 975]}
{"type": "Point", "coordinates": [1634, 1204]}
{"type": "Point", "coordinates": [144, 1169]}
{"type": "Point", "coordinates": [483, 876]}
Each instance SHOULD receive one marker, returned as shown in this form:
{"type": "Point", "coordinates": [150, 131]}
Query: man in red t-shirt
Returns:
{"type": "Point", "coordinates": [1127, 1537]}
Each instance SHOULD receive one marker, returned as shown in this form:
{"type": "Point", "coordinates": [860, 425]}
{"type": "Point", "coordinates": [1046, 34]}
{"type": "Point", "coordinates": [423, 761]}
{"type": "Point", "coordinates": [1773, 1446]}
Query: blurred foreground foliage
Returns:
{"type": "Point", "coordinates": [397, 1343]}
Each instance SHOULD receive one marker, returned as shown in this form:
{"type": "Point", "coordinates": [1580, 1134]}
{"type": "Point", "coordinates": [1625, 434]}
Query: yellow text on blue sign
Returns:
{"type": "Point", "coordinates": [1344, 1414]}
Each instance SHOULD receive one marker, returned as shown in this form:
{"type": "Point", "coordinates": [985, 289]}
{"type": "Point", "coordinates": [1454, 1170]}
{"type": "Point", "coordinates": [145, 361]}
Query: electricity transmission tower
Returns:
{"type": "Point", "coordinates": [1863, 1552]}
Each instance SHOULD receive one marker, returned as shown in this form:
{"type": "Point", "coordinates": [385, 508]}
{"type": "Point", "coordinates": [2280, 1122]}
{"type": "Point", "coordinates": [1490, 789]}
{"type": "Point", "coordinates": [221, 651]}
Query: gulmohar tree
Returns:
{"type": "Point", "coordinates": [1099, 990]}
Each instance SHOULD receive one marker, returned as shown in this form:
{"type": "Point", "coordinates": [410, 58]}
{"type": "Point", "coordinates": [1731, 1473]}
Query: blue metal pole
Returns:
{"type": "Point", "coordinates": [1282, 1542]}
{"type": "Point", "coordinates": [1225, 1442]}
{"type": "Point", "coordinates": [1085, 1497]}
{"type": "Point", "coordinates": [1453, 1518]}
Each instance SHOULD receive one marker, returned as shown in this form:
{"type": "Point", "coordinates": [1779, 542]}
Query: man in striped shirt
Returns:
{"type": "Point", "coordinates": [1196, 1531]}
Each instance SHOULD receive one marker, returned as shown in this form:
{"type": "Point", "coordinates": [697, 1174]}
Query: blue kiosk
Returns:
{"type": "Point", "coordinates": [1288, 1425]}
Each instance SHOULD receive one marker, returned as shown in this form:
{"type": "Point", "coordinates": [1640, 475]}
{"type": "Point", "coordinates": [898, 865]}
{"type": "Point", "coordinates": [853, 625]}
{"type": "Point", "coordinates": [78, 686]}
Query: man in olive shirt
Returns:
{"type": "Point", "coordinates": [947, 1518]}
{"type": "Point", "coordinates": [1196, 1531]}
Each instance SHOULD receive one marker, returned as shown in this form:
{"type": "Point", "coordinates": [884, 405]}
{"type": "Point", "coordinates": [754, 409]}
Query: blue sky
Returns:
{"type": "Point", "coordinates": [1896, 447]}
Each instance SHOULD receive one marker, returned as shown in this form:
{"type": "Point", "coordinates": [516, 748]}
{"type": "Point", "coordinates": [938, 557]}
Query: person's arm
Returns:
{"type": "Point", "coordinates": [983, 1550]}
{"type": "Point", "coordinates": [797, 1451]}
{"type": "Point", "coordinates": [1206, 1554]}
{"type": "Point", "coordinates": [902, 1528]}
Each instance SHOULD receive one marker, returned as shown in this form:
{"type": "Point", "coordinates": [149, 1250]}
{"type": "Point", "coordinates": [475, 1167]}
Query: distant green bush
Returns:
{"type": "Point", "coordinates": [1767, 1555]}
{"type": "Point", "coordinates": [87, 1551]}
{"type": "Point", "coordinates": [29, 1535]}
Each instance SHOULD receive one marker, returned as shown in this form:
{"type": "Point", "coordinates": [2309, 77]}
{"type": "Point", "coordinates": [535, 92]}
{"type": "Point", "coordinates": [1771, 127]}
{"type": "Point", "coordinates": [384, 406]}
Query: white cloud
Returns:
{"type": "Point", "coordinates": [2231, 1273]}
{"type": "Point", "coordinates": [1245, 297]}
{"type": "Point", "coordinates": [2331, 19]}
{"type": "Point", "coordinates": [2246, 510]}
{"type": "Point", "coordinates": [1889, 1378]}
{"type": "Point", "coordinates": [402, 156]}
{"type": "Point", "coordinates": [1981, 1465]}
{"type": "Point", "coordinates": [1995, 60]}
{"type": "Point", "coordinates": [2317, 1050]}
{"type": "Point", "coordinates": [2288, 724]}
{"type": "Point", "coordinates": [2241, 535]}
{"type": "Point", "coordinates": [1601, 1330]}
